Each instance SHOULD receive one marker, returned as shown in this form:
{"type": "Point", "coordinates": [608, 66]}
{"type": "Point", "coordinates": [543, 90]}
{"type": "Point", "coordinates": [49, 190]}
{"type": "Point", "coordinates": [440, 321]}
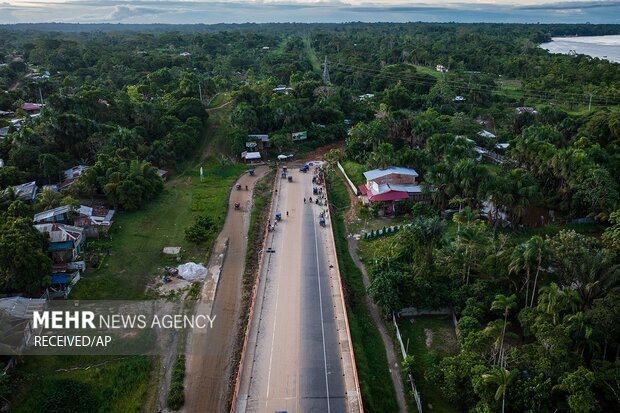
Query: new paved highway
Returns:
{"type": "Point", "coordinates": [294, 358]}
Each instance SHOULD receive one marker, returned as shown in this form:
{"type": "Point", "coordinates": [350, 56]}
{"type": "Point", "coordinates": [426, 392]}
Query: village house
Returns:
{"type": "Point", "coordinates": [249, 157]}
{"type": "Point", "coordinates": [32, 107]}
{"type": "Point", "coordinates": [26, 192]}
{"type": "Point", "coordinates": [66, 243]}
{"type": "Point", "coordinates": [260, 141]}
{"type": "Point", "coordinates": [71, 175]}
{"type": "Point", "coordinates": [95, 221]}
{"type": "Point", "coordinates": [163, 174]}
{"type": "Point", "coordinates": [390, 185]}
{"type": "Point", "coordinates": [486, 134]}
{"type": "Point", "coordinates": [283, 89]}
{"type": "Point", "coordinates": [525, 109]}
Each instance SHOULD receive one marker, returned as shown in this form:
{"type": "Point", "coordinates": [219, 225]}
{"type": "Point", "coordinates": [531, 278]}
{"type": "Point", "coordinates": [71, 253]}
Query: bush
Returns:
{"type": "Point", "coordinates": [176, 393]}
{"type": "Point", "coordinates": [201, 231]}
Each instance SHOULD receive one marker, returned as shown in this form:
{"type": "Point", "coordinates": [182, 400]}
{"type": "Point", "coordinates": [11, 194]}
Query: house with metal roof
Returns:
{"type": "Point", "coordinates": [65, 241]}
{"type": "Point", "coordinates": [391, 185]}
{"type": "Point", "coordinates": [486, 134]}
{"type": "Point", "coordinates": [72, 174]}
{"type": "Point", "coordinates": [251, 156]}
{"type": "Point", "coordinates": [26, 192]}
{"type": "Point", "coordinates": [95, 220]}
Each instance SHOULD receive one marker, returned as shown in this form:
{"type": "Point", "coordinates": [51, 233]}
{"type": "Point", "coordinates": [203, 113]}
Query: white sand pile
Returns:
{"type": "Point", "coordinates": [192, 272]}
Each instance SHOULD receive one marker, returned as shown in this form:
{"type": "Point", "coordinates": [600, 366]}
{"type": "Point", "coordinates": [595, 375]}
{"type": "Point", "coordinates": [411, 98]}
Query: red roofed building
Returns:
{"type": "Point", "coordinates": [391, 185]}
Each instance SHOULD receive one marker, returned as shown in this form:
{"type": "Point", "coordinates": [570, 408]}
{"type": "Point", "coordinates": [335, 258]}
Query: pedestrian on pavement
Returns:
{"type": "Point", "coordinates": [287, 213]}
{"type": "Point", "coordinates": [304, 200]}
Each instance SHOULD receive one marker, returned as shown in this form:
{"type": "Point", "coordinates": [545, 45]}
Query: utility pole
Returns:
{"type": "Point", "coordinates": [590, 102]}
{"type": "Point", "coordinates": [326, 72]}
{"type": "Point", "coordinates": [200, 92]}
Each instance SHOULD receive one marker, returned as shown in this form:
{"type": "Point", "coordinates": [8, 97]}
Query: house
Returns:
{"type": "Point", "coordinates": [265, 48]}
{"type": "Point", "coordinates": [525, 109]}
{"type": "Point", "coordinates": [163, 174]}
{"type": "Point", "coordinates": [441, 69]}
{"type": "Point", "coordinates": [1, 162]}
{"type": "Point", "coordinates": [486, 134]}
{"type": "Point", "coordinates": [391, 185]}
{"type": "Point", "coordinates": [66, 241]}
{"type": "Point", "coordinates": [283, 89]}
{"type": "Point", "coordinates": [185, 54]}
{"type": "Point", "coordinates": [366, 96]}
{"type": "Point", "coordinates": [260, 140]}
{"type": "Point", "coordinates": [95, 221]}
{"type": "Point", "coordinates": [251, 156]}
{"type": "Point", "coordinates": [26, 192]}
{"type": "Point", "coordinates": [66, 245]}
{"type": "Point", "coordinates": [458, 99]}
{"type": "Point", "coordinates": [32, 107]}
{"type": "Point", "coordinates": [72, 174]}
{"type": "Point", "coordinates": [4, 132]}
{"type": "Point", "coordinates": [6, 113]}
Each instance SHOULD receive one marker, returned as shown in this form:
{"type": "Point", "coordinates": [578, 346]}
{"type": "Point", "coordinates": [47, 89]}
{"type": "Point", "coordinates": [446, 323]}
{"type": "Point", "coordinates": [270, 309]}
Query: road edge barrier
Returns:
{"type": "Point", "coordinates": [344, 305]}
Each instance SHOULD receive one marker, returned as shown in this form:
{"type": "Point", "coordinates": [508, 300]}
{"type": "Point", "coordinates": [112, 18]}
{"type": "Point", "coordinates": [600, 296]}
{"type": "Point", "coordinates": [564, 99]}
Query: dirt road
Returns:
{"type": "Point", "coordinates": [298, 355]}
{"type": "Point", "coordinates": [209, 354]}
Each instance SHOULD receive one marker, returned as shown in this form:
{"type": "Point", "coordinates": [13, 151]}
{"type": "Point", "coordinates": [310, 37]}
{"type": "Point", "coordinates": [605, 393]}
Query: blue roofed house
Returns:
{"type": "Point", "coordinates": [66, 243]}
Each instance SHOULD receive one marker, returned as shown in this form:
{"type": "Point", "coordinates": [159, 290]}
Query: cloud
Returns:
{"type": "Point", "coordinates": [261, 11]}
{"type": "Point", "coordinates": [122, 12]}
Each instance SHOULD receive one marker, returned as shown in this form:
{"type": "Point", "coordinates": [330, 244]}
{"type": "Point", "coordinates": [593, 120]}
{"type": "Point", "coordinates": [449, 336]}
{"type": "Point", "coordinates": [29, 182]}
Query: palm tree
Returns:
{"type": "Point", "coordinates": [520, 261]}
{"type": "Point", "coordinates": [49, 199]}
{"type": "Point", "coordinates": [505, 304]}
{"type": "Point", "coordinates": [536, 248]}
{"type": "Point", "coordinates": [502, 378]}
{"type": "Point", "coordinates": [554, 299]}
{"type": "Point", "coordinates": [424, 234]}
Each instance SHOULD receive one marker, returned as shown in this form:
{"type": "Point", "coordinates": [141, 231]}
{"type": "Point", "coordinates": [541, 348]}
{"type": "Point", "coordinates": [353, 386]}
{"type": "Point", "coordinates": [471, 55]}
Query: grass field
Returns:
{"type": "Point", "coordinates": [428, 71]}
{"type": "Point", "coordinates": [510, 88]}
{"type": "Point", "coordinates": [137, 238]}
{"type": "Point", "coordinates": [50, 385]}
{"type": "Point", "coordinates": [132, 255]}
{"type": "Point", "coordinates": [378, 394]}
{"type": "Point", "coordinates": [426, 335]}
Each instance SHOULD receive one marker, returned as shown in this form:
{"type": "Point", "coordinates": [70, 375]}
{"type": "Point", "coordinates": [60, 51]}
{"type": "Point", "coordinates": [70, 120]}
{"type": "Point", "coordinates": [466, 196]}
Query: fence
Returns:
{"type": "Point", "coordinates": [416, 394]}
{"type": "Point", "coordinates": [385, 231]}
{"type": "Point", "coordinates": [351, 184]}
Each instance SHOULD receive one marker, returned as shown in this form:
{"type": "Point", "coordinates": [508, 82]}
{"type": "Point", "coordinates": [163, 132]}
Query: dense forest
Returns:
{"type": "Point", "coordinates": [538, 311]}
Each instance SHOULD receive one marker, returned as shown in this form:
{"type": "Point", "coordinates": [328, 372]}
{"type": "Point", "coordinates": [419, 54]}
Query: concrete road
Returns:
{"type": "Point", "coordinates": [293, 362]}
{"type": "Point", "coordinates": [209, 353]}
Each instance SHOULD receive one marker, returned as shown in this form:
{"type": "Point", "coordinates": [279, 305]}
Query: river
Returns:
{"type": "Point", "coordinates": [604, 47]}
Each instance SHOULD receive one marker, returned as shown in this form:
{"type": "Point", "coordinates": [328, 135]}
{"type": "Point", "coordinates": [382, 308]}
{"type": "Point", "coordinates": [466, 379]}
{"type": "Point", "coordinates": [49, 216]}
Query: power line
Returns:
{"type": "Point", "coordinates": [566, 96]}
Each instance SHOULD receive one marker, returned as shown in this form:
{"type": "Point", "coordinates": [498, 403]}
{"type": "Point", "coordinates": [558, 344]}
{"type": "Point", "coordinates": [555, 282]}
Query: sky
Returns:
{"type": "Point", "coordinates": [308, 11]}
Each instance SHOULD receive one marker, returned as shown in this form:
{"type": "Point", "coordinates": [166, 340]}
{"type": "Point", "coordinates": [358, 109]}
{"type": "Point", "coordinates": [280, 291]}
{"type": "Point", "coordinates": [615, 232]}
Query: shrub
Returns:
{"type": "Point", "coordinates": [201, 231]}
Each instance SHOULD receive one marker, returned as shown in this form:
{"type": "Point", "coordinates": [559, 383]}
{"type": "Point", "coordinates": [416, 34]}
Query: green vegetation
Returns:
{"type": "Point", "coordinates": [355, 172]}
{"type": "Point", "coordinates": [176, 392]}
{"type": "Point", "coordinates": [82, 384]}
{"type": "Point", "coordinates": [375, 382]}
{"type": "Point", "coordinates": [127, 270]}
{"type": "Point", "coordinates": [429, 338]}
{"type": "Point", "coordinates": [128, 103]}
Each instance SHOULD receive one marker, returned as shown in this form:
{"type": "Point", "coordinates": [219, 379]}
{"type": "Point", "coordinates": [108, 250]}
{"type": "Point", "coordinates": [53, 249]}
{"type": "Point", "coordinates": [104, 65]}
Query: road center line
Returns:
{"type": "Point", "coordinates": [318, 276]}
